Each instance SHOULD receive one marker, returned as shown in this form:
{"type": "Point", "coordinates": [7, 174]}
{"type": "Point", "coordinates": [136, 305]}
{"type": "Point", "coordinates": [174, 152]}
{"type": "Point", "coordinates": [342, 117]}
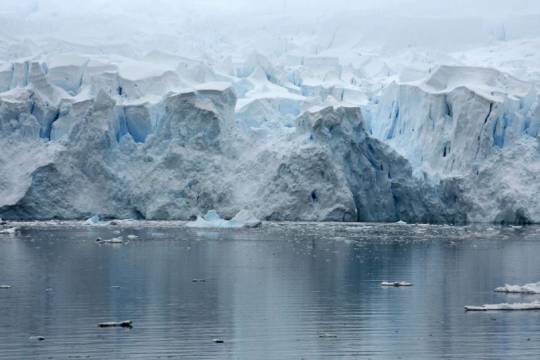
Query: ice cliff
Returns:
{"type": "Point", "coordinates": [478, 125]}
{"type": "Point", "coordinates": [301, 138]}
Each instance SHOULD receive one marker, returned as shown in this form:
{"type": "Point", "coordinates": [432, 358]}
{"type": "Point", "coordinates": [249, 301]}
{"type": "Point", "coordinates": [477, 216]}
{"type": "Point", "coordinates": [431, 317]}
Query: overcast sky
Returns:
{"type": "Point", "coordinates": [257, 24]}
{"type": "Point", "coordinates": [484, 8]}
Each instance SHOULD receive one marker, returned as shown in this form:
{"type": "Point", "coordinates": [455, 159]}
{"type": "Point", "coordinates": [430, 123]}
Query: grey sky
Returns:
{"type": "Point", "coordinates": [213, 24]}
{"type": "Point", "coordinates": [484, 8]}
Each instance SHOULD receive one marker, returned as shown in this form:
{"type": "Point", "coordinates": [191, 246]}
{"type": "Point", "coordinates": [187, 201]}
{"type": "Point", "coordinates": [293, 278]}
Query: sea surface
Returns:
{"type": "Point", "coordinates": [283, 291]}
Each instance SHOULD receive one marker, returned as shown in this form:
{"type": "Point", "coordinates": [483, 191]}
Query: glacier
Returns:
{"type": "Point", "coordinates": [311, 127]}
{"type": "Point", "coordinates": [184, 155]}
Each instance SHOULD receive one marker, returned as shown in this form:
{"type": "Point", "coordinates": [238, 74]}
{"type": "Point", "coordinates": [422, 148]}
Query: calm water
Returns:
{"type": "Point", "coordinates": [297, 291]}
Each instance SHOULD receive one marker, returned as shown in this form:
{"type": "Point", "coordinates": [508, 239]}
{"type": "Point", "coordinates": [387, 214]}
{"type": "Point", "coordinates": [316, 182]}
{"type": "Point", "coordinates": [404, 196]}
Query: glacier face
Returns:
{"type": "Point", "coordinates": [314, 127]}
{"type": "Point", "coordinates": [476, 124]}
{"type": "Point", "coordinates": [185, 154]}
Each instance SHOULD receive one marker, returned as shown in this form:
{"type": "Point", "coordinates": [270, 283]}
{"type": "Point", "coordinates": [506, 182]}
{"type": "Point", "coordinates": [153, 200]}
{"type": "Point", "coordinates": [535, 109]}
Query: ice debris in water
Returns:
{"type": "Point", "coordinates": [37, 338]}
{"type": "Point", "coordinates": [533, 288]}
{"type": "Point", "coordinates": [401, 222]}
{"type": "Point", "coordinates": [9, 231]}
{"type": "Point", "coordinates": [535, 305]}
{"type": "Point", "coordinates": [94, 220]}
{"type": "Point", "coordinates": [124, 324]}
{"type": "Point", "coordinates": [5, 286]}
{"type": "Point", "coordinates": [116, 240]}
{"type": "Point", "coordinates": [243, 219]}
{"type": "Point", "coordinates": [396, 283]}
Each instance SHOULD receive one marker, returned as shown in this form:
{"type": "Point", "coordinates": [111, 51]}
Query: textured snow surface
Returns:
{"type": "Point", "coordinates": [374, 119]}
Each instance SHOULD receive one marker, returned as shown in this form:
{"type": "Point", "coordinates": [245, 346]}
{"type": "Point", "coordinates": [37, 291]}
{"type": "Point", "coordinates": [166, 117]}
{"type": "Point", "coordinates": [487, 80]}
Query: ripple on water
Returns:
{"type": "Point", "coordinates": [284, 291]}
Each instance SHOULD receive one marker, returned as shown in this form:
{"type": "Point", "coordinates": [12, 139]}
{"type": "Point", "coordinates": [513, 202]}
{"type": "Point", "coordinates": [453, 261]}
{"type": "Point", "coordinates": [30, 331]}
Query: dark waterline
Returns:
{"type": "Point", "coordinates": [286, 291]}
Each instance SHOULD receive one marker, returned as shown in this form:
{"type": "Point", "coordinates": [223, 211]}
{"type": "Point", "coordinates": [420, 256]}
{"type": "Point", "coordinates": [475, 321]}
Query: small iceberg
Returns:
{"type": "Point", "coordinates": [5, 286]}
{"type": "Point", "coordinates": [94, 220]}
{"type": "Point", "coordinates": [243, 219]}
{"type": "Point", "coordinates": [401, 222]}
{"type": "Point", "coordinates": [506, 307]}
{"type": "Point", "coordinates": [37, 338]}
{"type": "Point", "coordinates": [533, 288]}
{"type": "Point", "coordinates": [116, 240]}
{"type": "Point", "coordinates": [124, 324]}
{"type": "Point", "coordinates": [396, 283]}
{"type": "Point", "coordinates": [9, 231]}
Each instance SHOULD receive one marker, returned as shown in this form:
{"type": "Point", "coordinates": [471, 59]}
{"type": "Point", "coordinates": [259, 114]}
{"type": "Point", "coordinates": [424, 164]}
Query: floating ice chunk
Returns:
{"type": "Point", "coordinates": [36, 338]}
{"type": "Point", "coordinates": [94, 220]}
{"type": "Point", "coordinates": [533, 288]}
{"type": "Point", "coordinates": [396, 283]}
{"type": "Point", "coordinates": [516, 306]}
{"type": "Point", "coordinates": [211, 220]}
{"type": "Point", "coordinates": [243, 219]}
{"type": "Point", "coordinates": [132, 237]}
{"type": "Point", "coordinates": [401, 222]}
{"type": "Point", "coordinates": [124, 324]}
{"type": "Point", "coordinates": [5, 287]}
{"type": "Point", "coordinates": [9, 231]}
{"type": "Point", "coordinates": [116, 240]}
{"type": "Point", "coordinates": [246, 219]}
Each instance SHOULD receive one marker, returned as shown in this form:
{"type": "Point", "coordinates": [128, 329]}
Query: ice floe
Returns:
{"type": "Point", "coordinates": [243, 219]}
{"type": "Point", "coordinates": [533, 288]}
{"type": "Point", "coordinates": [396, 283]}
{"type": "Point", "coordinates": [9, 231]}
{"type": "Point", "coordinates": [535, 305]}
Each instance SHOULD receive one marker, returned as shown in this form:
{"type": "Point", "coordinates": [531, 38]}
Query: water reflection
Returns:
{"type": "Point", "coordinates": [288, 291]}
